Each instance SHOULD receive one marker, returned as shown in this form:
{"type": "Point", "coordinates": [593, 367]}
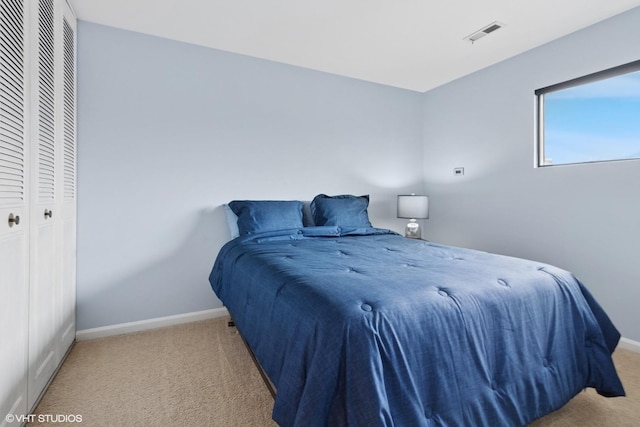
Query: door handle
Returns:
{"type": "Point", "coordinates": [13, 220]}
{"type": "Point", "coordinates": [48, 213]}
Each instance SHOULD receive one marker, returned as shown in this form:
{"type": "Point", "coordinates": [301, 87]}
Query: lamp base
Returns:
{"type": "Point", "coordinates": [413, 230]}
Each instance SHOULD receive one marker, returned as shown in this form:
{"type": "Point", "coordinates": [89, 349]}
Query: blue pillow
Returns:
{"type": "Point", "coordinates": [256, 216]}
{"type": "Point", "coordinates": [344, 210]}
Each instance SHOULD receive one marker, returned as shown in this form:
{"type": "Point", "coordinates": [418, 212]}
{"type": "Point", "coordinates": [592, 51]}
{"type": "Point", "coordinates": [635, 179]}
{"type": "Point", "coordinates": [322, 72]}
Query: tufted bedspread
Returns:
{"type": "Point", "coordinates": [363, 327]}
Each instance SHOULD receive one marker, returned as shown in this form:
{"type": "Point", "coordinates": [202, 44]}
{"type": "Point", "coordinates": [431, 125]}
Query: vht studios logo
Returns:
{"type": "Point", "coordinates": [43, 418]}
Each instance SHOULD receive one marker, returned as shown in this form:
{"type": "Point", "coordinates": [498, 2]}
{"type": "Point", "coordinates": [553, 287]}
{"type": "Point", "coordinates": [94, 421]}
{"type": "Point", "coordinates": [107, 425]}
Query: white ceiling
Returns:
{"type": "Point", "coordinates": [412, 44]}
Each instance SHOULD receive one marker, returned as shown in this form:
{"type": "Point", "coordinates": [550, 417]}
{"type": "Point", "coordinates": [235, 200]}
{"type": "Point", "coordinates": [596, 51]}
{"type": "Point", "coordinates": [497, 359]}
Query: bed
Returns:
{"type": "Point", "coordinates": [359, 326]}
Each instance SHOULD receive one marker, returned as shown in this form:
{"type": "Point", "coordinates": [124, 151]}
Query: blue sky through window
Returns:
{"type": "Point", "coordinates": [597, 121]}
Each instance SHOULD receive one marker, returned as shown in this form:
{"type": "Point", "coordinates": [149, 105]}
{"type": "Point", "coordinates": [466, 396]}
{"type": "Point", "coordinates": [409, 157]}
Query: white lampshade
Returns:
{"type": "Point", "coordinates": [413, 207]}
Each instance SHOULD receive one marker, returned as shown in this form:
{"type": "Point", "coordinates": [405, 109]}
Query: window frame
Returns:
{"type": "Point", "coordinates": [617, 71]}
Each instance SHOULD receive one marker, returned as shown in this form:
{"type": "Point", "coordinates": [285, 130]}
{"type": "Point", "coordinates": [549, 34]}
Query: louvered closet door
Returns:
{"type": "Point", "coordinates": [67, 177]}
{"type": "Point", "coordinates": [14, 216]}
{"type": "Point", "coordinates": [44, 271]}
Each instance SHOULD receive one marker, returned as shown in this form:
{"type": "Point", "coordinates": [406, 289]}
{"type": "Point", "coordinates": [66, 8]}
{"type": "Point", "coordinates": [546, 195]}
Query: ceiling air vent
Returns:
{"type": "Point", "coordinates": [488, 29]}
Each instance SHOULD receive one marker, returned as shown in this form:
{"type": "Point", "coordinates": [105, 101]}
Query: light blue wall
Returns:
{"type": "Point", "coordinates": [167, 132]}
{"type": "Point", "coordinates": [170, 131]}
{"type": "Point", "coordinates": [584, 218]}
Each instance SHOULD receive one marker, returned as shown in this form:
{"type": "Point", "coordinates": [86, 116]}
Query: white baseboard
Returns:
{"type": "Point", "coordinates": [143, 325]}
{"type": "Point", "coordinates": [628, 344]}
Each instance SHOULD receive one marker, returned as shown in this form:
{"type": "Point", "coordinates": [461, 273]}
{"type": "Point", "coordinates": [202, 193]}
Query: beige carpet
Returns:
{"type": "Point", "coordinates": [200, 374]}
{"type": "Point", "coordinates": [196, 374]}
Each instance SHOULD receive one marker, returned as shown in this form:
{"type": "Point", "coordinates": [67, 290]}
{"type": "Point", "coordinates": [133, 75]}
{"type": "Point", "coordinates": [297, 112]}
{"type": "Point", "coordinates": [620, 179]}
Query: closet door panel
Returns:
{"type": "Point", "coordinates": [14, 213]}
{"type": "Point", "coordinates": [68, 187]}
{"type": "Point", "coordinates": [44, 283]}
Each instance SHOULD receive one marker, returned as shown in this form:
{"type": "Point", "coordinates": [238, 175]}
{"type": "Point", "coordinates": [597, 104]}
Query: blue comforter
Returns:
{"type": "Point", "coordinates": [363, 327]}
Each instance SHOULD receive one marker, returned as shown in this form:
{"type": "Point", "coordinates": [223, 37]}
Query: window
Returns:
{"type": "Point", "coordinates": [593, 118]}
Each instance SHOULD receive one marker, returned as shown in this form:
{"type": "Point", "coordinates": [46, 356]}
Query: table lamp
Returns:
{"type": "Point", "coordinates": [413, 208]}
